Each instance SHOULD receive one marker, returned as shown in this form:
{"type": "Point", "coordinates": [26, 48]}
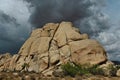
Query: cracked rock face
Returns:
{"type": "Point", "coordinates": [4, 60]}
{"type": "Point", "coordinates": [56, 44]}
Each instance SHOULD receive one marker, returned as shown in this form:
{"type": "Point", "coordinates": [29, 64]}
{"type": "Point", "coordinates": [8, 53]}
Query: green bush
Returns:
{"type": "Point", "coordinates": [73, 69]}
{"type": "Point", "coordinates": [70, 69]}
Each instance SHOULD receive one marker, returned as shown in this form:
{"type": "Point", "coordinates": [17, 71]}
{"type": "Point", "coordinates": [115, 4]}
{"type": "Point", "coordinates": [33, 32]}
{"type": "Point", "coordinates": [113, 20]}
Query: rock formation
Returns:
{"type": "Point", "coordinates": [4, 60]}
{"type": "Point", "coordinates": [55, 44]}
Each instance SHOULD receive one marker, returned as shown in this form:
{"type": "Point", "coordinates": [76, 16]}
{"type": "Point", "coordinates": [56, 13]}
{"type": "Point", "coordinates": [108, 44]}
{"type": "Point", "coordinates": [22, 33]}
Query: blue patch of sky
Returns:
{"type": "Point", "coordinates": [112, 8]}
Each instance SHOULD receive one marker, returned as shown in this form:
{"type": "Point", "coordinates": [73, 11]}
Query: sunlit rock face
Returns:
{"type": "Point", "coordinates": [55, 44]}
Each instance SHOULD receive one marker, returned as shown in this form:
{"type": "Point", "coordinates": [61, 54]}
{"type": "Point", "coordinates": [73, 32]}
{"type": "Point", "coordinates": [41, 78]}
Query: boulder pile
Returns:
{"type": "Point", "coordinates": [53, 45]}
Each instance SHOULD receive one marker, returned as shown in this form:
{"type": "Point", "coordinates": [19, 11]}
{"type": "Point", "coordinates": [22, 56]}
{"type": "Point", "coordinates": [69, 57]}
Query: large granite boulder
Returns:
{"type": "Point", "coordinates": [87, 51]}
{"type": "Point", "coordinates": [56, 44]}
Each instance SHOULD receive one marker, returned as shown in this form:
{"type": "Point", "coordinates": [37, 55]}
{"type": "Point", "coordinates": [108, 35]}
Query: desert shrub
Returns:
{"type": "Point", "coordinates": [70, 69]}
{"type": "Point", "coordinates": [75, 69]}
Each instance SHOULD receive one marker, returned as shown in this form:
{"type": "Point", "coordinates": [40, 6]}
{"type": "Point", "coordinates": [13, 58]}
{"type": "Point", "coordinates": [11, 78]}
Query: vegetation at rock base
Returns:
{"type": "Point", "coordinates": [73, 69]}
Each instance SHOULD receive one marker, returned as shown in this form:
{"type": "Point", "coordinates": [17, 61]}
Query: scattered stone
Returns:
{"type": "Point", "coordinates": [58, 73]}
{"type": "Point", "coordinates": [35, 76]}
{"type": "Point", "coordinates": [27, 77]}
{"type": "Point", "coordinates": [15, 74]}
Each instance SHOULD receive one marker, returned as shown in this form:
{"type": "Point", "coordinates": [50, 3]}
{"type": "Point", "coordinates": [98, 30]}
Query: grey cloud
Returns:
{"type": "Point", "coordinates": [94, 24]}
{"type": "Point", "coordinates": [85, 14]}
{"type": "Point", "coordinates": [4, 18]}
{"type": "Point", "coordinates": [13, 32]}
{"type": "Point", "coordinates": [63, 10]}
{"type": "Point", "coordinates": [14, 25]}
{"type": "Point", "coordinates": [111, 40]}
{"type": "Point", "coordinates": [5, 23]}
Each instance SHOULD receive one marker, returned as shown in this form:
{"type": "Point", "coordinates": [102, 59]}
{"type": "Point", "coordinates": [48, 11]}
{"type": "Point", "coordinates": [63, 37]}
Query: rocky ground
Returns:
{"type": "Point", "coordinates": [36, 76]}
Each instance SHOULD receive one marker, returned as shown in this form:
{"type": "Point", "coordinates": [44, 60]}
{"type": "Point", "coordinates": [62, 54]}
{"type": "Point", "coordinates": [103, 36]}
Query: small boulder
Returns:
{"type": "Point", "coordinates": [118, 73]}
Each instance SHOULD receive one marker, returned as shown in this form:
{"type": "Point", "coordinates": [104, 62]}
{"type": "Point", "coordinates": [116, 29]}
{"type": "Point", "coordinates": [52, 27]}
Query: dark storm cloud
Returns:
{"type": "Point", "coordinates": [10, 36]}
{"type": "Point", "coordinates": [86, 14]}
{"type": "Point", "coordinates": [14, 25]}
{"type": "Point", "coordinates": [57, 10]}
{"type": "Point", "coordinates": [5, 23]}
{"type": "Point", "coordinates": [5, 18]}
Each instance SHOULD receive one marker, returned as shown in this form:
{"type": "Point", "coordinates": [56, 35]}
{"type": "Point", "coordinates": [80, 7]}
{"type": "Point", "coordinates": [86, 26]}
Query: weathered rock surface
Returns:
{"type": "Point", "coordinates": [4, 59]}
{"type": "Point", "coordinates": [87, 51]}
{"type": "Point", "coordinates": [53, 45]}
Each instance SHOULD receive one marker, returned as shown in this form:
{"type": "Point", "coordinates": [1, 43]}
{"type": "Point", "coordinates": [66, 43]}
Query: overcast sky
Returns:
{"type": "Point", "coordinates": [99, 18]}
{"type": "Point", "coordinates": [111, 37]}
